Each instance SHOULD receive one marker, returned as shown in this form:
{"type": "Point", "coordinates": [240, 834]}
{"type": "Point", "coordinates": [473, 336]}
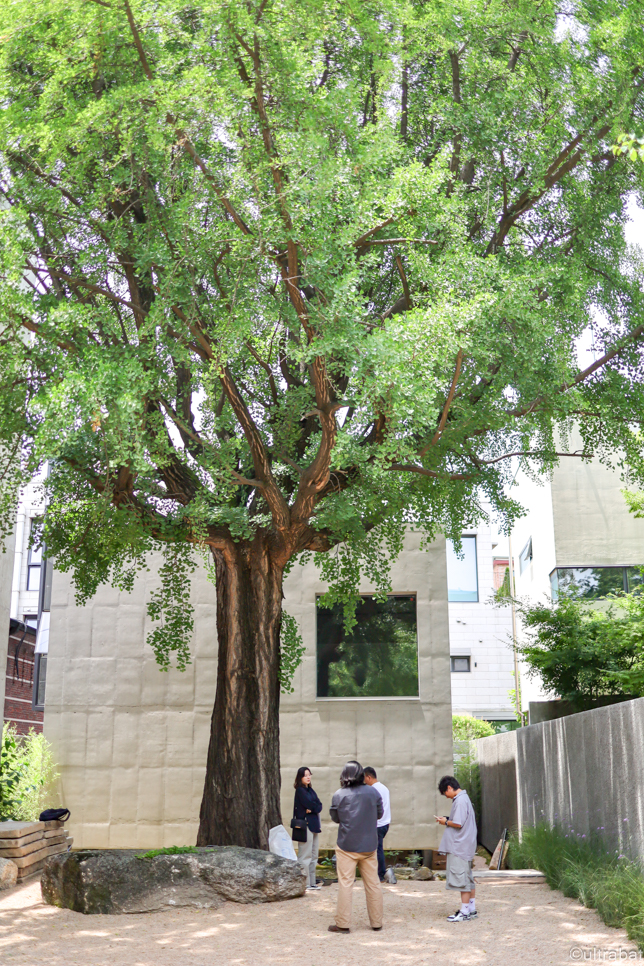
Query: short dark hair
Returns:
{"type": "Point", "coordinates": [371, 772]}
{"type": "Point", "coordinates": [448, 781]}
{"type": "Point", "coordinates": [301, 772]}
{"type": "Point", "coordinates": [352, 774]}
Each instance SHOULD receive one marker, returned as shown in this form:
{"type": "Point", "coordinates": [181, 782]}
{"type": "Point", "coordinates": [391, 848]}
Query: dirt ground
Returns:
{"type": "Point", "coordinates": [523, 925]}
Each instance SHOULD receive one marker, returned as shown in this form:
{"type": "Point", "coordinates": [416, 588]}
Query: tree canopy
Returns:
{"type": "Point", "coordinates": [310, 271]}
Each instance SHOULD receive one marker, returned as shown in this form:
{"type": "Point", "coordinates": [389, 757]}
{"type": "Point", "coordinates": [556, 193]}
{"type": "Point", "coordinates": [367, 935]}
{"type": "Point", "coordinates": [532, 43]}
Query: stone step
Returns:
{"type": "Point", "coordinates": [24, 861]}
{"type": "Point", "coordinates": [20, 850]}
{"type": "Point", "coordinates": [16, 830]}
{"type": "Point", "coordinates": [30, 870]}
{"type": "Point", "coordinates": [510, 876]}
{"type": "Point", "coordinates": [19, 843]}
{"type": "Point", "coordinates": [51, 833]}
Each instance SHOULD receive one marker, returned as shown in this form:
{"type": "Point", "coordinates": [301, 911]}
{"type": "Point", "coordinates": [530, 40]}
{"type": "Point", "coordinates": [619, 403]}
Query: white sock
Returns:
{"type": "Point", "coordinates": [465, 910]}
{"type": "Point", "coordinates": [472, 905]}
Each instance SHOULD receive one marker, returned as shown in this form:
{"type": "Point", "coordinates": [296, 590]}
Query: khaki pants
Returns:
{"type": "Point", "coordinates": [367, 862]}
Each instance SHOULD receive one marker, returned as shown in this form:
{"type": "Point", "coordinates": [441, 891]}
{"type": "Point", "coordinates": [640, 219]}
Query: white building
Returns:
{"type": "Point", "coordinates": [27, 564]}
{"type": "Point", "coordinates": [480, 633]}
{"type": "Point", "coordinates": [578, 529]}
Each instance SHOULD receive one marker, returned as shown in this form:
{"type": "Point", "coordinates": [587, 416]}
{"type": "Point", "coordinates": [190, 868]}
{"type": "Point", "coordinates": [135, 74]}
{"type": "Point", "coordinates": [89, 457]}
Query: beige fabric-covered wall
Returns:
{"type": "Point", "coordinates": [131, 740]}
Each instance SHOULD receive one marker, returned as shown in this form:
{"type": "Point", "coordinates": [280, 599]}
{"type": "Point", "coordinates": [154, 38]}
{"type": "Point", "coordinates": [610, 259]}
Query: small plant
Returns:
{"type": "Point", "coordinates": [413, 860]}
{"type": "Point", "coordinates": [581, 868]}
{"type": "Point", "coordinates": [172, 850]}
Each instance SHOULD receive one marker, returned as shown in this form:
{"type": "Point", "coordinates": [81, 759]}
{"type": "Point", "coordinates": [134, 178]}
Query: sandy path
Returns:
{"type": "Point", "coordinates": [522, 925]}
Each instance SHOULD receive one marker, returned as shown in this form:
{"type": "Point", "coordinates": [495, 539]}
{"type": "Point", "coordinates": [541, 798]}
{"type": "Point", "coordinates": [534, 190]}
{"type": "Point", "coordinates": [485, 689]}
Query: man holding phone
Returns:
{"type": "Point", "coordinates": [459, 842]}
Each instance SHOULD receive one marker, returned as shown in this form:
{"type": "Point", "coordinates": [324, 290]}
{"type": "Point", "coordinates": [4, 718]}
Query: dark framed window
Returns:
{"type": "Point", "coordinates": [40, 681]}
{"type": "Point", "coordinates": [378, 658]}
{"type": "Point", "coordinates": [462, 571]}
{"type": "Point", "coordinates": [459, 664]}
{"type": "Point", "coordinates": [593, 583]}
{"type": "Point", "coordinates": [34, 559]}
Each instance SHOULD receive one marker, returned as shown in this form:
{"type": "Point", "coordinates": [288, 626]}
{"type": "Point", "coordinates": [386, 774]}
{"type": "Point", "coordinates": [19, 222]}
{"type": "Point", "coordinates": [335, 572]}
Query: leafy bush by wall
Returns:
{"type": "Point", "coordinates": [466, 728]}
{"type": "Point", "coordinates": [27, 775]}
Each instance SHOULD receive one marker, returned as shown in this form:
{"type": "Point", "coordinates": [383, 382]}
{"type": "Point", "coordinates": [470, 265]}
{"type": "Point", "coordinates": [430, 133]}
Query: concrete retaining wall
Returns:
{"type": "Point", "coordinates": [584, 772]}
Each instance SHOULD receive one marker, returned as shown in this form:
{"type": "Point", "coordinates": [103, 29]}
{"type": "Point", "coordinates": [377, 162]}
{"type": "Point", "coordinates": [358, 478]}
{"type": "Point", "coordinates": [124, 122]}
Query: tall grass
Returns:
{"type": "Point", "coordinates": [581, 868]}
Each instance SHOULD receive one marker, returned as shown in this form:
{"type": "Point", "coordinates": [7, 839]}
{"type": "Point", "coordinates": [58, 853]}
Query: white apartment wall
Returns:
{"type": "Point", "coordinates": [30, 505]}
{"type": "Point", "coordinates": [534, 583]}
{"type": "Point", "coordinates": [484, 632]}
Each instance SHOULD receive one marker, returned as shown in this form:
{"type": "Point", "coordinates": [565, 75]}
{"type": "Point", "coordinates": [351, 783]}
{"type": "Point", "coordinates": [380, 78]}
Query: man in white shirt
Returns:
{"type": "Point", "coordinates": [370, 778]}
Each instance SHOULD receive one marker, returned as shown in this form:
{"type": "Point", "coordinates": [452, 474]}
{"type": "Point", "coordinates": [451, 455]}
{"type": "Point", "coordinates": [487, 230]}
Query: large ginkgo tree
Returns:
{"type": "Point", "coordinates": [291, 276]}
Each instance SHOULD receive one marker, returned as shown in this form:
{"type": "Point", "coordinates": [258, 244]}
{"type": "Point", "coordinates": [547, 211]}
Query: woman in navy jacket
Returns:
{"type": "Point", "coordinates": [307, 806]}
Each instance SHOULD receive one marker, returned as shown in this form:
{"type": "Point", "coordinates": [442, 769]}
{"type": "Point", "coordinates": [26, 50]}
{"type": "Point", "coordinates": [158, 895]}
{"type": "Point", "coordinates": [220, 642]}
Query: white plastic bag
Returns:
{"type": "Point", "coordinates": [280, 843]}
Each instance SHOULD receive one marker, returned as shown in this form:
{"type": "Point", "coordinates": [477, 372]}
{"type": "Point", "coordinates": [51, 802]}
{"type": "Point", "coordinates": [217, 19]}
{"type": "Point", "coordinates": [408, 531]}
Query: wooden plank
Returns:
{"type": "Point", "coordinates": [20, 850]}
{"type": "Point", "coordinates": [22, 861]}
{"type": "Point", "coordinates": [16, 830]}
{"type": "Point", "coordinates": [30, 870]}
{"type": "Point", "coordinates": [56, 849]}
{"type": "Point", "coordinates": [18, 843]}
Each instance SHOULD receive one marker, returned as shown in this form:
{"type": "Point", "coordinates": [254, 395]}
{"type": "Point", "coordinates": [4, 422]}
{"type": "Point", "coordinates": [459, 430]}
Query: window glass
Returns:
{"type": "Point", "coordinates": [33, 577]}
{"type": "Point", "coordinates": [460, 663]}
{"type": "Point", "coordinates": [41, 682]}
{"type": "Point", "coordinates": [501, 574]}
{"type": "Point", "coordinates": [462, 578]}
{"type": "Point", "coordinates": [525, 557]}
{"type": "Point", "coordinates": [635, 580]}
{"type": "Point", "coordinates": [554, 585]}
{"type": "Point", "coordinates": [379, 658]}
{"type": "Point", "coordinates": [590, 583]}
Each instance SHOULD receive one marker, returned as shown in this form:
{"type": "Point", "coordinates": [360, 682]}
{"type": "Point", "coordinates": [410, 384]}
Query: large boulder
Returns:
{"type": "Point", "coordinates": [113, 881]}
{"type": "Point", "coordinates": [8, 873]}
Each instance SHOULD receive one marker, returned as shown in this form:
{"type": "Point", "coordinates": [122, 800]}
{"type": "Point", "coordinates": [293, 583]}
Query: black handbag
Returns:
{"type": "Point", "coordinates": [54, 815]}
{"type": "Point", "coordinates": [299, 827]}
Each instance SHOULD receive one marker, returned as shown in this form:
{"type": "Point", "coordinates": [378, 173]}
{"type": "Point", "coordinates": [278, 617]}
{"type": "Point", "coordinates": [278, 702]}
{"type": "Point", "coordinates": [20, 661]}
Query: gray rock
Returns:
{"type": "Point", "coordinates": [114, 881]}
{"type": "Point", "coordinates": [423, 874]}
{"type": "Point", "coordinates": [8, 873]}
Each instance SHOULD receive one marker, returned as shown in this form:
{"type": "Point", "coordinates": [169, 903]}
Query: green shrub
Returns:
{"type": "Point", "coordinates": [465, 727]}
{"type": "Point", "coordinates": [171, 850]}
{"type": "Point", "coordinates": [581, 868]}
{"type": "Point", "coordinates": [27, 775]}
{"type": "Point", "coordinates": [581, 653]}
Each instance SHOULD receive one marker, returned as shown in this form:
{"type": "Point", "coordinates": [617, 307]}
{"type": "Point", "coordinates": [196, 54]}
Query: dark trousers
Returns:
{"type": "Point", "coordinates": [382, 867]}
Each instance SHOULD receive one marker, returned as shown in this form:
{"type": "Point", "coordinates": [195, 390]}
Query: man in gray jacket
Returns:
{"type": "Point", "coordinates": [356, 808]}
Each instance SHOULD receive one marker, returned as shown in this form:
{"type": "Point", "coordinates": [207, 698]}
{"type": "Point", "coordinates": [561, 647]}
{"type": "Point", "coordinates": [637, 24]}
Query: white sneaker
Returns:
{"type": "Point", "coordinates": [473, 913]}
{"type": "Point", "coordinates": [459, 916]}
{"type": "Point", "coordinates": [313, 888]}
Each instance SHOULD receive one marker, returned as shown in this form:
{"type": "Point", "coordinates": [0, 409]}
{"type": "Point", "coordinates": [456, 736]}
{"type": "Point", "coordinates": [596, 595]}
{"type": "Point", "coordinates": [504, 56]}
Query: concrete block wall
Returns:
{"type": "Point", "coordinates": [131, 740]}
{"type": "Point", "coordinates": [584, 772]}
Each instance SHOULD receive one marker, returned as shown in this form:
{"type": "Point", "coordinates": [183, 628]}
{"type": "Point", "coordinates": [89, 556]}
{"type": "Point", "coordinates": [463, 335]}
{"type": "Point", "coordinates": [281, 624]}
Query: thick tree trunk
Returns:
{"type": "Point", "coordinates": [241, 798]}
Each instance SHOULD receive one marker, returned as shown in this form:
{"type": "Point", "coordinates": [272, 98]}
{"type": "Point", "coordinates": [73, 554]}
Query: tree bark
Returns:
{"type": "Point", "coordinates": [241, 797]}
